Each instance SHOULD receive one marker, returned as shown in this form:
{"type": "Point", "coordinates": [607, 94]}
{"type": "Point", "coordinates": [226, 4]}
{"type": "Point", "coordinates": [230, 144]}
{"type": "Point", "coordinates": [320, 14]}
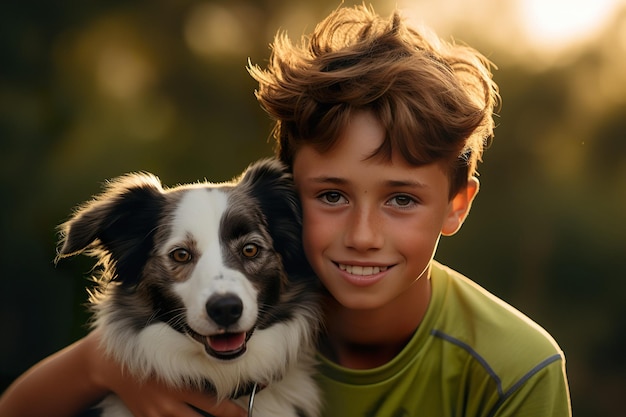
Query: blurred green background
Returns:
{"type": "Point", "coordinates": [92, 90]}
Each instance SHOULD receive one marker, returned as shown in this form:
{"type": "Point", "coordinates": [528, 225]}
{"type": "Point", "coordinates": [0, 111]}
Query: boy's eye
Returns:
{"type": "Point", "coordinates": [331, 197]}
{"type": "Point", "coordinates": [402, 201]}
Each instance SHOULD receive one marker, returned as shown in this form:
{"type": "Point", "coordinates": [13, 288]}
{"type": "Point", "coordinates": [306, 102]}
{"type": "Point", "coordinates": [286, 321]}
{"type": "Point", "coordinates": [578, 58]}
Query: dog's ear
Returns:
{"type": "Point", "coordinates": [271, 184]}
{"type": "Point", "coordinates": [118, 225]}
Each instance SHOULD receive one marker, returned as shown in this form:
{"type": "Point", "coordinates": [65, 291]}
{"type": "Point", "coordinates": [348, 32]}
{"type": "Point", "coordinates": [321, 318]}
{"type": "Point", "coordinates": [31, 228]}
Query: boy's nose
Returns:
{"type": "Point", "coordinates": [364, 230]}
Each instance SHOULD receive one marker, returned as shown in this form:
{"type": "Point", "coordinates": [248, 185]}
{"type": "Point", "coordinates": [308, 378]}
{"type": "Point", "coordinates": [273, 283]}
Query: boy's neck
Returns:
{"type": "Point", "coordinates": [365, 339]}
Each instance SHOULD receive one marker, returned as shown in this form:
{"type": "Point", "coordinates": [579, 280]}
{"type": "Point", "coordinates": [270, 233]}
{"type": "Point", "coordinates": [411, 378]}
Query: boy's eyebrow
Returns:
{"type": "Point", "coordinates": [331, 180]}
{"type": "Point", "coordinates": [388, 183]}
{"type": "Point", "coordinates": [407, 183]}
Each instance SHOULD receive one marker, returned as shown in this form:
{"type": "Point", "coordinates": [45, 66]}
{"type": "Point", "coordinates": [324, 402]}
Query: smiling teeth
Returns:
{"type": "Point", "coordinates": [362, 270]}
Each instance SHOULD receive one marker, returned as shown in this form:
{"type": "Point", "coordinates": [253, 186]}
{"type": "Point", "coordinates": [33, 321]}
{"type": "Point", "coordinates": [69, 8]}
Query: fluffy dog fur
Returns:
{"type": "Point", "coordinates": [205, 286]}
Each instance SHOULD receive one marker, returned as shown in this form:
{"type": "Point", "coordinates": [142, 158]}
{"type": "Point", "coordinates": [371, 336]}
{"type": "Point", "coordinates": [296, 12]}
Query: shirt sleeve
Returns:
{"type": "Point", "coordinates": [544, 391]}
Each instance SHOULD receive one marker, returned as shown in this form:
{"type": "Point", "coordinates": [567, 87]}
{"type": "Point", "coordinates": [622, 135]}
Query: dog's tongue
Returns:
{"type": "Point", "coordinates": [228, 342]}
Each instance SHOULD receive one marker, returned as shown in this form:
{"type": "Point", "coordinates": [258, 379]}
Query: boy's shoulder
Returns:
{"type": "Point", "coordinates": [498, 335]}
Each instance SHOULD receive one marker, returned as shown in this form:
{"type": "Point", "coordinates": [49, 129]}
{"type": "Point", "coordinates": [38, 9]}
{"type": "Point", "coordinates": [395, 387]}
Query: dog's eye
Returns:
{"type": "Point", "coordinates": [250, 250]}
{"type": "Point", "coordinates": [180, 255]}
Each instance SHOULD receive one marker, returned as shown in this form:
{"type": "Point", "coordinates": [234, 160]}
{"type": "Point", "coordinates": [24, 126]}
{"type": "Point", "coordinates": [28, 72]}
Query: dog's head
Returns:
{"type": "Point", "coordinates": [211, 260]}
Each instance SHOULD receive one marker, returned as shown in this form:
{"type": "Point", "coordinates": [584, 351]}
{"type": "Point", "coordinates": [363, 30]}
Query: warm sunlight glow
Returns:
{"type": "Point", "coordinates": [533, 30]}
{"type": "Point", "coordinates": [213, 29]}
{"type": "Point", "coordinates": [559, 23]}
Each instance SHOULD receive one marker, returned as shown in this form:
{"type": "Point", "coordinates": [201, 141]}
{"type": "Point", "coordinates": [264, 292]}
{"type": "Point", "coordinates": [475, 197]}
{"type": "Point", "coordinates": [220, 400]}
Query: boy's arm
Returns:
{"type": "Point", "coordinates": [80, 375]}
{"type": "Point", "coordinates": [60, 385]}
{"type": "Point", "coordinates": [546, 393]}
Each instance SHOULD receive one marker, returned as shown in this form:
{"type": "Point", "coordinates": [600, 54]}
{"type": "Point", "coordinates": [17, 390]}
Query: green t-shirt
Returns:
{"type": "Point", "coordinates": [473, 355]}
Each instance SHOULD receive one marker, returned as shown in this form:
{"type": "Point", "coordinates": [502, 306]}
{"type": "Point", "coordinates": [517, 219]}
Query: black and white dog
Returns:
{"type": "Point", "coordinates": [206, 286]}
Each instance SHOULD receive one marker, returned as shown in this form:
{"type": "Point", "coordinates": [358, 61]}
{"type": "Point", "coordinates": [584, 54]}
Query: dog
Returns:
{"type": "Point", "coordinates": [204, 286]}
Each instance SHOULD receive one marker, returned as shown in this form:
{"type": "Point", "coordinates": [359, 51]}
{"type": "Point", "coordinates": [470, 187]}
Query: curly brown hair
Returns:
{"type": "Point", "coordinates": [434, 99]}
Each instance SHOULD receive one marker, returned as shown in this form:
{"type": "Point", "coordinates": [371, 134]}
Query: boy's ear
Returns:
{"type": "Point", "coordinates": [459, 207]}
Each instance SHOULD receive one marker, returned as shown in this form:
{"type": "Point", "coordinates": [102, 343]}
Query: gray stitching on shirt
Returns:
{"type": "Point", "coordinates": [503, 395]}
{"type": "Point", "coordinates": [475, 354]}
{"type": "Point", "coordinates": [543, 364]}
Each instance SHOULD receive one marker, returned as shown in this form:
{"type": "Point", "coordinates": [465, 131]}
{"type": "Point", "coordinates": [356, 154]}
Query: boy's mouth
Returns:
{"type": "Point", "coordinates": [362, 270]}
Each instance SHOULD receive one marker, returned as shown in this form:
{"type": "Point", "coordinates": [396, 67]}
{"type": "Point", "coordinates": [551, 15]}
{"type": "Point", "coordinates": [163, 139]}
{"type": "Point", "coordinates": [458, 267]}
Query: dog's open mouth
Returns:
{"type": "Point", "coordinates": [225, 345]}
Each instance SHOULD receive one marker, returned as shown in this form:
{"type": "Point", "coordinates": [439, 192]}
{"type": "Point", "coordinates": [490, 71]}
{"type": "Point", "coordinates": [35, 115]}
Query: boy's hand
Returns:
{"type": "Point", "coordinates": [152, 398]}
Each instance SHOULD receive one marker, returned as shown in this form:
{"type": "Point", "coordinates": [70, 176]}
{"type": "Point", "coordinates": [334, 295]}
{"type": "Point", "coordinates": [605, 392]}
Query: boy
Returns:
{"type": "Point", "coordinates": [382, 128]}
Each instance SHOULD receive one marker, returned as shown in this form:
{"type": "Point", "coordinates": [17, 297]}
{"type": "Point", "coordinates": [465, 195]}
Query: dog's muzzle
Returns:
{"type": "Point", "coordinates": [225, 311]}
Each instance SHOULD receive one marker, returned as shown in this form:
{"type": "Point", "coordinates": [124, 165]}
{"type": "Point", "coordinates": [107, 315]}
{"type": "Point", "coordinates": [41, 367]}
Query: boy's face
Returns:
{"type": "Point", "coordinates": [370, 228]}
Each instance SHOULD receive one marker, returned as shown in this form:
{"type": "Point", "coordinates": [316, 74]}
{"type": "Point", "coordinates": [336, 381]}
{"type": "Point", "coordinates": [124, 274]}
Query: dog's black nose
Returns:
{"type": "Point", "coordinates": [224, 309]}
